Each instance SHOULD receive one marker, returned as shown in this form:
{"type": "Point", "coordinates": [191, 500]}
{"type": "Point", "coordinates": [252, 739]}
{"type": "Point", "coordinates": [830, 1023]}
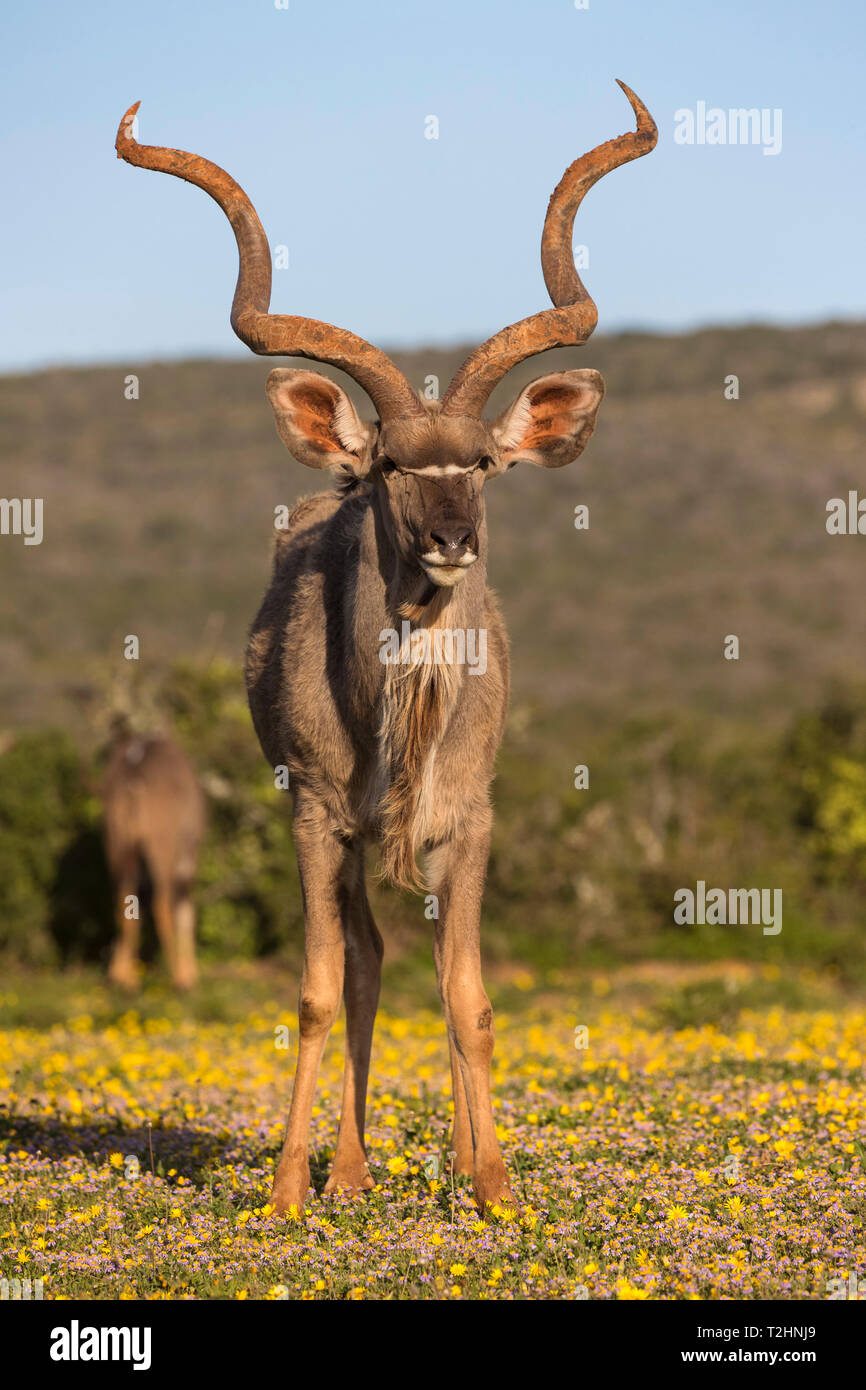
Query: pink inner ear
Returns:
{"type": "Point", "coordinates": [547, 430]}
{"type": "Point", "coordinates": [554, 398]}
{"type": "Point", "coordinates": [553, 415]}
{"type": "Point", "coordinates": [312, 414]}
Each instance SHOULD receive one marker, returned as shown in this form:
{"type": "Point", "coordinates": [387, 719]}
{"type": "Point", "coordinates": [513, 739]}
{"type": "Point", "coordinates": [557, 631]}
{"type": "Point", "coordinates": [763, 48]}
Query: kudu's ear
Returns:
{"type": "Point", "coordinates": [552, 419]}
{"type": "Point", "coordinates": [317, 422]}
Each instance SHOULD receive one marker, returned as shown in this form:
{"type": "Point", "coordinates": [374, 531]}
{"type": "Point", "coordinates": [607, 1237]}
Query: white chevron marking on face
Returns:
{"type": "Point", "coordinates": [435, 470]}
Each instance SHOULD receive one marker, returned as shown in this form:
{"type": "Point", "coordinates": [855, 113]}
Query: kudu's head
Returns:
{"type": "Point", "coordinates": [426, 461]}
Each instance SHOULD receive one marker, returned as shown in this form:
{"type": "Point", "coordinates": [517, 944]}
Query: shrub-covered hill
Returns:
{"type": "Point", "coordinates": [707, 517]}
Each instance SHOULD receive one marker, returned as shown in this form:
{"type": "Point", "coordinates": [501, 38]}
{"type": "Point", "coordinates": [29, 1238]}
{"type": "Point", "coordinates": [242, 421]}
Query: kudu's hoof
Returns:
{"type": "Point", "coordinates": [127, 980]}
{"type": "Point", "coordinates": [349, 1179]}
{"type": "Point", "coordinates": [290, 1194]}
{"type": "Point", "coordinates": [492, 1189]}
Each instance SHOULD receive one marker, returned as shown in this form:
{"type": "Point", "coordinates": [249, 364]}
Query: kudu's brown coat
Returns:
{"type": "Point", "coordinates": [399, 753]}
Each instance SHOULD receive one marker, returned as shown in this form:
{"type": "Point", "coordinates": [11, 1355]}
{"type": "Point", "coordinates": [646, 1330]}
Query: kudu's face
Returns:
{"type": "Point", "coordinates": [429, 477]}
{"type": "Point", "coordinates": [428, 472]}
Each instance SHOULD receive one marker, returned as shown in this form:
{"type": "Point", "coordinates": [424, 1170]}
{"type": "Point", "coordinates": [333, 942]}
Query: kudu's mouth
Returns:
{"type": "Point", "coordinates": [444, 572]}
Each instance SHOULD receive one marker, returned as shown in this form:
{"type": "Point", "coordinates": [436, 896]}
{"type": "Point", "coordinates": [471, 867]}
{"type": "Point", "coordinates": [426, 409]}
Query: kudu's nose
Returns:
{"type": "Point", "coordinates": [452, 538]}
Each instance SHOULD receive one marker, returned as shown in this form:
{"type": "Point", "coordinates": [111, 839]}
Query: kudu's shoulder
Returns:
{"type": "Point", "coordinates": [335, 513]}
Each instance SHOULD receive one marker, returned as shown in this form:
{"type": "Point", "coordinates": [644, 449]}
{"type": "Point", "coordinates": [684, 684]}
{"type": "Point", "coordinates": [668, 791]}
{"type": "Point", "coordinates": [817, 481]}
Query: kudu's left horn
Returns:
{"type": "Point", "coordinates": [266, 333]}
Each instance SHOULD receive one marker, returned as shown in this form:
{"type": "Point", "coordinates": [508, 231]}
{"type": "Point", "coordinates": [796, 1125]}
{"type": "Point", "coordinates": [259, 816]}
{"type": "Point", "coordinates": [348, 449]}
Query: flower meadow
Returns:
{"type": "Point", "coordinates": [714, 1160]}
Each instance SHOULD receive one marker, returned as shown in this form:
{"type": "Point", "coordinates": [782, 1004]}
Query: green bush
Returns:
{"type": "Point", "coordinates": [574, 875]}
{"type": "Point", "coordinates": [44, 808]}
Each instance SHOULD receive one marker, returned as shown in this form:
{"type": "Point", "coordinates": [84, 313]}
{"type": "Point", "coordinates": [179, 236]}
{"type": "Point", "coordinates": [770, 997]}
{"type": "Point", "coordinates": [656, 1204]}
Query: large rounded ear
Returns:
{"type": "Point", "coordinates": [551, 421]}
{"type": "Point", "coordinates": [318, 423]}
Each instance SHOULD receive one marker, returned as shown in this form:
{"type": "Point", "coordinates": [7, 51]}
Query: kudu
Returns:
{"type": "Point", "coordinates": [154, 823]}
{"type": "Point", "coordinates": [401, 752]}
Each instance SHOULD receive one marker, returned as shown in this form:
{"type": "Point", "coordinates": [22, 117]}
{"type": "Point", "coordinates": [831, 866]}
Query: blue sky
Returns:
{"type": "Point", "coordinates": [319, 112]}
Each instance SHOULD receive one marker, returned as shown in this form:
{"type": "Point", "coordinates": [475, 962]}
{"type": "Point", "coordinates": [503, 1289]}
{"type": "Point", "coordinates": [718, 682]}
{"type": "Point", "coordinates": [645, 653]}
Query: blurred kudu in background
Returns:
{"type": "Point", "coordinates": [154, 824]}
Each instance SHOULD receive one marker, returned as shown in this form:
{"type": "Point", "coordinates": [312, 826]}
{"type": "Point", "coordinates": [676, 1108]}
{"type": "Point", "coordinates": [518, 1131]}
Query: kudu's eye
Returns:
{"type": "Point", "coordinates": [387, 465]}
{"type": "Point", "coordinates": [484, 463]}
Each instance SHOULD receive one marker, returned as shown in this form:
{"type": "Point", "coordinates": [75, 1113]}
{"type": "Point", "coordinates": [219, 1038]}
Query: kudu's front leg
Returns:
{"type": "Point", "coordinates": [324, 862]}
{"type": "Point", "coordinates": [459, 869]}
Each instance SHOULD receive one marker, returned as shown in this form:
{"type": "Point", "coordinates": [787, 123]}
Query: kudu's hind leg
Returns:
{"type": "Point", "coordinates": [172, 870]}
{"type": "Point", "coordinates": [459, 871]}
{"type": "Point", "coordinates": [363, 970]}
{"type": "Point", "coordinates": [163, 916]}
{"type": "Point", "coordinates": [186, 969]}
{"type": "Point", "coordinates": [123, 969]}
{"type": "Point", "coordinates": [327, 872]}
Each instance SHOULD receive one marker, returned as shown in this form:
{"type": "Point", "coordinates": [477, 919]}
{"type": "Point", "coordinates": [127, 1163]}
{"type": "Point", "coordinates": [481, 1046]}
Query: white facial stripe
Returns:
{"type": "Point", "coordinates": [434, 470]}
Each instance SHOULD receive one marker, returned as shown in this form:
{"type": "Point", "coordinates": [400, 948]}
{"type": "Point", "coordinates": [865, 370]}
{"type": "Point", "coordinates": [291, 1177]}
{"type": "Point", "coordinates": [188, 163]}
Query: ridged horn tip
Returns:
{"type": "Point", "coordinates": [645, 122]}
{"type": "Point", "coordinates": [124, 130]}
